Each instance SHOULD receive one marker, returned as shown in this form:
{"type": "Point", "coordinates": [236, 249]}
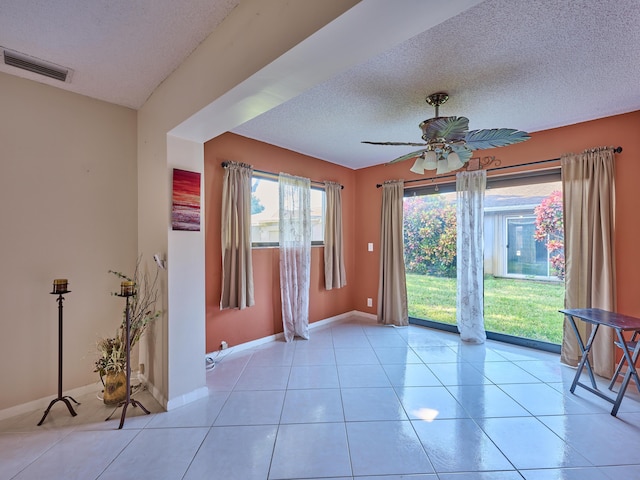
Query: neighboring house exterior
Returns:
{"type": "Point", "coordinates": [265, 225]}
{"type": "Point", "coordinates": [509, 225]}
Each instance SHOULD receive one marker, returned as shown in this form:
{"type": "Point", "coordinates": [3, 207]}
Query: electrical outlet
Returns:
{"type": "Point", "coordinates": [224, 345]}
{"type": "Point", "coordinates": [369, 302]}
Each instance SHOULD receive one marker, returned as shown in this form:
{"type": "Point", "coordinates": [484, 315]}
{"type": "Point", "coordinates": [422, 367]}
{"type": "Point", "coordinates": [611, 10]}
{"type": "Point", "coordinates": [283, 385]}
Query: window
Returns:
{"type": "Point", "coordinates": [523, 257]}
{"type": "Point", "coordinates": [265, 212]}
{"type": "Point", "coordinates": [526, 255]}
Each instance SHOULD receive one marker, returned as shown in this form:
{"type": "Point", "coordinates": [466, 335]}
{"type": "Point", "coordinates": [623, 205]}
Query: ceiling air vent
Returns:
{"type": "Point", "coordinates": [35, 65]}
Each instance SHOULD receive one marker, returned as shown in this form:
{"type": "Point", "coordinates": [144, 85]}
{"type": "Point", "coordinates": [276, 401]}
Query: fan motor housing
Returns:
{"type": "Point", "coordinates": [437, 99]}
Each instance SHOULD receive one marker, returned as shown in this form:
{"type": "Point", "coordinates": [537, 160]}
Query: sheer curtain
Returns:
{"type": "Point", "coordinates": [295, 254]}
{"type": "Point", "coordinates": [470, 187]}
{"type": "Point", "coordinates": [237, 270]}
{"type": "Point", "coordinates": [335, 275]}
{"type": "Point", "coordinates": [588, 186]}
{"type": "Point", "coordinates": [392, 289]}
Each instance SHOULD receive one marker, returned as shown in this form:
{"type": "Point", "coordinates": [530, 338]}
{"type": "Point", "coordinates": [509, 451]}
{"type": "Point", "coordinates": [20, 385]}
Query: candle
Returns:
{"type": "Point", "coordinates": [127, 288]}
{"type": "Point", "coordinates": [60, 285]}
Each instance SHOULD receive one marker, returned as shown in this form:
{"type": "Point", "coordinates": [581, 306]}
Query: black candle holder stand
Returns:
{"type": "Point", "coordinates": [128, 401]}
{"type": "Point", "coordinates": [60, 397]}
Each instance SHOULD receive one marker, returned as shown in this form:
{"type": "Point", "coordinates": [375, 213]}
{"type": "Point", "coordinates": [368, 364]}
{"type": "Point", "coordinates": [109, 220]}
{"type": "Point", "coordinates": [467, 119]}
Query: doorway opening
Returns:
{"type": "Point", "coordinates": [523, 259]}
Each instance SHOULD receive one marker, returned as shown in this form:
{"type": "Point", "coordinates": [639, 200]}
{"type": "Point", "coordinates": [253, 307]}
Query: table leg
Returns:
{"type": "Point", "coordinates": [585, 349]}
{"type": "Point", "coordinates": [634, 338]}
{"type": "Point", "coordinates": [635, 359]}
{"type": "Point", "coordinates": [631, 370]}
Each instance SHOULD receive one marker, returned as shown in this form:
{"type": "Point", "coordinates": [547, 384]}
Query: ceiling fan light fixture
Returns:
{"type": "Point", "coordinates": [418, 166]}
{"type": "Point", "coordinates": [443, 166]}
{"type": "Point", "coordinates": [454, 162]}
{"type": "Point", "coordinates": [430, 161]}
{"type": "Point", "coordinates": [449, 142]}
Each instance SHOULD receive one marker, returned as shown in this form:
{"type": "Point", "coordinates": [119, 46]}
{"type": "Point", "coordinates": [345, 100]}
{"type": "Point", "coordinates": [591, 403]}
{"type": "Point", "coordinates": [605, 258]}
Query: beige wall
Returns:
{"type": "Point", "coordinates": [68, 208]}
{"type": "Point", "coordinates": [82, 154]}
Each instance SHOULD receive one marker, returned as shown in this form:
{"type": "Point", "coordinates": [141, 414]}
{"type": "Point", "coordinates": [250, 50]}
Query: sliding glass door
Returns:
{"type": "Point", "coordinates": [430, 256]}
{"type": "Point", "coordinates": [523, 257]}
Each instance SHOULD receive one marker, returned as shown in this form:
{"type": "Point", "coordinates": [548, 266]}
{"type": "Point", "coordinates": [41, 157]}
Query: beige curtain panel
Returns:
{"type": "Point", "coordinates": [589, 204]}
{"type": "Point", "coordinates": [392, 289]}
{"type": "Point", "coordinates": [335, 275]}
{"type": "Point", "coordinates": [237, 269]}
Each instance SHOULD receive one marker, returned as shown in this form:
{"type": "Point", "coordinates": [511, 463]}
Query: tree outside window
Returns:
{"type": "Point", "coordinates": [550, 229]}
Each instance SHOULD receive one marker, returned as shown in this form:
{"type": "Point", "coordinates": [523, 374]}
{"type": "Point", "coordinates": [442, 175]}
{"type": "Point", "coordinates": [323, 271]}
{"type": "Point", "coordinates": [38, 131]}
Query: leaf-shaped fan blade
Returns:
{"type": "Point", "coordinates": [463, 153]}
{"type": "Point", "coordinates": [396, 143]}
{"type": "Point", "coordinates": [407, 156]}
{"type": "Point", "coordinates": [494, 137]}
{"type": "Point", "coordinates": [449, 128]}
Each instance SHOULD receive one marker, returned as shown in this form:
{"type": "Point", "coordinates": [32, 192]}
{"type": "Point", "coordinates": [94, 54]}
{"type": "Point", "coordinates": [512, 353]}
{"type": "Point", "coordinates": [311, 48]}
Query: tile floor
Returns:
{"type": "Point", "coordinates": [357, 401]}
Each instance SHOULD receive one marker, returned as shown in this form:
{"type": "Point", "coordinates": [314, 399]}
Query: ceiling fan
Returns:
{"type": "Point", "coordinates": [449, 142]}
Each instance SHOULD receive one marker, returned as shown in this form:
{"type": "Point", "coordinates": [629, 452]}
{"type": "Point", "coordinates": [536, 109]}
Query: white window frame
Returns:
{"type": "Point", "coordinates": [317, 227]}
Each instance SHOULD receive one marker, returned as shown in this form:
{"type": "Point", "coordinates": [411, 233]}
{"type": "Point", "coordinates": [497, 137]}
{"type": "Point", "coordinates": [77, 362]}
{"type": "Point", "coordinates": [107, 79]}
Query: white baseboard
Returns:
{"type": "Point", "coordinates": [43, 403]}
{"type": "Point", "coordinates": [340, 318]}
{"type": "Point", "coordinates": [244, 346]}
{"type": "Point", "coordinates": [272, 338]}
{"type": "Point", "coordinates": [155, 393]}
{"type": "Point", "coordinates": [187, 398]}
{"type": "Point", "coordinates": [370, 316]}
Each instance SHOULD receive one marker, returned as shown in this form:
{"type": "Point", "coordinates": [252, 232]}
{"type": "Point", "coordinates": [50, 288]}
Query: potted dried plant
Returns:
{"type": "Point", "coordinates": [111, 364]}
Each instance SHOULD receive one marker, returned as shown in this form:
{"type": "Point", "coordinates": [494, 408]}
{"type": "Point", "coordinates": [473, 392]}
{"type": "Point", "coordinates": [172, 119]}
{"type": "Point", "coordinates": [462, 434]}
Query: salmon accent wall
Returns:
{"type": "Point", "coordinates": [264, 318]}
{"type": "Point", "coordinates": [621, 130]}
{"type": "Point", "coordinates": [361, 216]}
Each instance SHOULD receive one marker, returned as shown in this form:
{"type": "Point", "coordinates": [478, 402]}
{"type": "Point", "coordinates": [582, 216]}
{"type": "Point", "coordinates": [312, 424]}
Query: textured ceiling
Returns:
{"type": "Point", "coordinates": [524, 64]}
{"type": "Point", "coordinates": [119, 50]}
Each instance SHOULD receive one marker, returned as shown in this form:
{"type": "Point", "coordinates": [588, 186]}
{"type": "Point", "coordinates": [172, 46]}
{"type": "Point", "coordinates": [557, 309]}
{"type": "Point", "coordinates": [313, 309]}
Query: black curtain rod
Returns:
{"type": "Point", "coordinates": [615, 150]}
{"type": "Point", "coordinates": [224, 164]}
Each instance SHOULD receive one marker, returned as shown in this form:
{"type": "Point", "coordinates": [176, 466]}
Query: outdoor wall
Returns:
{"type": "Point", "coordinates": [265, 319]}
{"type": "Point", "coordinates": [69, 210]}
{"type": "Point", "coordinates": [495, 240]}
{"type": "Point", "coordinates": [620, 130]}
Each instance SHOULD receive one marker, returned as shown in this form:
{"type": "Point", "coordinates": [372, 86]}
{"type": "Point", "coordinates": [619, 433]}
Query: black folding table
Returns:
{"type": "Point", "coordinates": [620, 323]}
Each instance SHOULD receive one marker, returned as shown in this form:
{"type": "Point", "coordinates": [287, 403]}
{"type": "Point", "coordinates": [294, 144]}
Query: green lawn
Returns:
{"type": "Point", "coordinates": [524, 308]}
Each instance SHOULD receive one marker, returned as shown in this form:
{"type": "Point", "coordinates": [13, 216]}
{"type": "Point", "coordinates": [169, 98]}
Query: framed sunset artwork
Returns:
{"type": "Point", "coordinates": [185, 209]}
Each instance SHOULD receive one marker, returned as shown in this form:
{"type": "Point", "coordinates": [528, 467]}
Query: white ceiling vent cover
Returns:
{"type": "Point", "coordinates": [35, 65]}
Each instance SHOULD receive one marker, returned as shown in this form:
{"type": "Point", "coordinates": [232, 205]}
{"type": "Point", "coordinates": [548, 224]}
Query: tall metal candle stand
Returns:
{"type": "Point", "coordinates": [127, 292]}
{"type": "Point", "coordinates": [60, 289]}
